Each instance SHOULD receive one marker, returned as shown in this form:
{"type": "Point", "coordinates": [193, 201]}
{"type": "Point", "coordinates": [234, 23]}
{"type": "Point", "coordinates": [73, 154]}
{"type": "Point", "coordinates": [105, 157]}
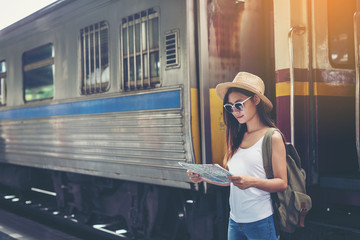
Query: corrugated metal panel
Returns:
{"type": "Point", "coordinates": [71, 143]}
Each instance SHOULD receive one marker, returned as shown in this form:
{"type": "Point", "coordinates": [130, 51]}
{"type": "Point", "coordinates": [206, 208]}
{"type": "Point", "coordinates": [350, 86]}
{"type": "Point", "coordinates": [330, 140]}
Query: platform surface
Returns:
{"type": "Point", "coordinates": [16, 227]}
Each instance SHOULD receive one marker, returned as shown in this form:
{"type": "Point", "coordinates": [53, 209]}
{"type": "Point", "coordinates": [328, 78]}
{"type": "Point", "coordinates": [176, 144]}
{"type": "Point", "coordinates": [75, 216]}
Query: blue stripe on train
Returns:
{"type": "Point", "coordinates": [149, 101]}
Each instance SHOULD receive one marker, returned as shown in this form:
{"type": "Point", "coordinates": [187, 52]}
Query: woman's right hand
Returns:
{"type": "Point", "coordinates": [194, 177]}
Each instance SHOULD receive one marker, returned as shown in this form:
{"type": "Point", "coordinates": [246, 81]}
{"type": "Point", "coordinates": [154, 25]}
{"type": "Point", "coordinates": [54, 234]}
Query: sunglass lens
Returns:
{"type": "Point", "coordinates": [228, 108]}
{"type": "Point", "coordinates": [239, 106]}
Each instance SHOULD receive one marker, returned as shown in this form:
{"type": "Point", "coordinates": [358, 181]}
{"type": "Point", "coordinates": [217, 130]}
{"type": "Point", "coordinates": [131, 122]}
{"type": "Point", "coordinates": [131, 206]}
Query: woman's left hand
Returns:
{"type": "Point", "coordinates": [242, 181]}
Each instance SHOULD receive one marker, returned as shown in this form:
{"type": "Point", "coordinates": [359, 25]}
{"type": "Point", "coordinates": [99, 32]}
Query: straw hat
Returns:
{"type": "Point", "coordinates": [249, 82]}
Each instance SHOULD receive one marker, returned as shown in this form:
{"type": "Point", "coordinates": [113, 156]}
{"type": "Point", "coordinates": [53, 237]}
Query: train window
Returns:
{"type": "Point", "coordinates": [38, 67]}
{"type": "Point", "coordinates": [94, 41]}
{"type": "Point", "coordinates": [2, 82]}
{"type": "Point", "coordinates": [140, 38]}
{"type": "Point", "coordinates": [341, 33]}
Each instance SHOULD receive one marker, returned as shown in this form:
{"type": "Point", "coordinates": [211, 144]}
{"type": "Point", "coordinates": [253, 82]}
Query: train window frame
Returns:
{"type": "Point", "coordinates": [333, 19]}
{"type": "Point", "coordinates": [39, 61]}
{"type": "Point", "coordinates": [146, 44]}
{"type": "Point", "coordinates": [3, 71]}
{"type": "Point", "coordinates": [94, 83]}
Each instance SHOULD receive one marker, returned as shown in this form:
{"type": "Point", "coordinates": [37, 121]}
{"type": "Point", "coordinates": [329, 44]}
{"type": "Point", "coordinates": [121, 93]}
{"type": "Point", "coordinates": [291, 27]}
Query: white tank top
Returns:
{"type": "Point", "coordinates": [251, 204]}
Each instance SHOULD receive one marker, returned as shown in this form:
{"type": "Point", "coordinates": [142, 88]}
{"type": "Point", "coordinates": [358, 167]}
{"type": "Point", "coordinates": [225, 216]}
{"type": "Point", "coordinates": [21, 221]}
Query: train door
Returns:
{"type": "Point", "coordinates": [291, 33]}
{"type": "Point", "coordinates": [334, 78]}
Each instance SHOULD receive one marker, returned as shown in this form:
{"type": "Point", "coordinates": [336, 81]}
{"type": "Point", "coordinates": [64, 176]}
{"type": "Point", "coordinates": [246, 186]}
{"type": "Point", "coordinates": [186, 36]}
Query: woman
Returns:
{"type": "Point", "coordinates": [246, 117]}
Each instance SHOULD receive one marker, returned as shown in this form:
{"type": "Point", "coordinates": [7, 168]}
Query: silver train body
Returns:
{"type": "Point", "coordinates": [116, 133]}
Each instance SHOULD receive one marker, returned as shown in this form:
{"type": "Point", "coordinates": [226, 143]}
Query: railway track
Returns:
{"type": "Point", "coordinates": [39, 206]}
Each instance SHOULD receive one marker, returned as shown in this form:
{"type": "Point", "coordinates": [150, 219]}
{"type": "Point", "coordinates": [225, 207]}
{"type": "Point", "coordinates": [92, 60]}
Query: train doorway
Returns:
{"type": "Point", "coordinates": [336, 120]}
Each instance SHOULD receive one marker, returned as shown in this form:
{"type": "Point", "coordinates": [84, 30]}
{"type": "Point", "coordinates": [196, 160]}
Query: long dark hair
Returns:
{"type": "Point", "coordinates": [235, 131]}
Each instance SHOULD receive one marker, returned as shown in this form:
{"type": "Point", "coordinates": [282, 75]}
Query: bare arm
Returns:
{"type": "Point", "coordinates": [278, 163]}
{"type": "Point", "coordinates": [279, 182]}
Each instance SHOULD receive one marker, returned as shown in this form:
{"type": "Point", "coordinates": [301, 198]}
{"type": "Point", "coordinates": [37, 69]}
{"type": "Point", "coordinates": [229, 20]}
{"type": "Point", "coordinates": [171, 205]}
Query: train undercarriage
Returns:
{"type": "Point", "coordinates": [132, 210]}
{"type": "Point", "coordinates": [138, 210]}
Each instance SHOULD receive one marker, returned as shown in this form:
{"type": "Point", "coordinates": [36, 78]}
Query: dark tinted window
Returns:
{"type": "Point", "coordinates": [341, 33]}
{"type": "Point", "coordinates": [38, 67]}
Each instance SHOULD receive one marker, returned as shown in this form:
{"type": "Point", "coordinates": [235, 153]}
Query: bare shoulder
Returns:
{"type": "Point", "coordinates": [278, 149]}
{"type": "Point", "coordinates": [277, 139]}
{"type": "Point", "coordinates": [276, 136]}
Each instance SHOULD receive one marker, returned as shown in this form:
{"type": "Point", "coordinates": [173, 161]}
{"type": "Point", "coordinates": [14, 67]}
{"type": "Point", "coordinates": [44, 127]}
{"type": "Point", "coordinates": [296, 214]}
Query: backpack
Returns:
{"type": "Point", "coordinates": [291, 205]}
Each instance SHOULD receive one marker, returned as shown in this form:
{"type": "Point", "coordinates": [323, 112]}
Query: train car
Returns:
{"type": "Point", "coordinates": [96, 109]}
{"type": "Point", "coordinates": [318, 108]}
{"type": "Point", "coordinates": [100, 100]}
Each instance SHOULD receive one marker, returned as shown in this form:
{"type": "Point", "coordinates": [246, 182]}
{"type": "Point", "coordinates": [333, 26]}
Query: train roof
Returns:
{"type": "Point", "coordinates": [36, 15]}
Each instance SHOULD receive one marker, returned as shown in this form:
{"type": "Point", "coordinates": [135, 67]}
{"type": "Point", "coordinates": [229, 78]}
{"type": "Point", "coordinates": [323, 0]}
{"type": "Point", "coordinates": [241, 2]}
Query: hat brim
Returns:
{"type": "Point", "coordinates": [222, 88]}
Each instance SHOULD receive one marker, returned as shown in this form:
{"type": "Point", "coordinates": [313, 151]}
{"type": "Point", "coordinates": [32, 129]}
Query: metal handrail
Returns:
{"type": "Point", "coordinates": [292, 30]}
{"type": "Point", "coordinates": [357, 86]}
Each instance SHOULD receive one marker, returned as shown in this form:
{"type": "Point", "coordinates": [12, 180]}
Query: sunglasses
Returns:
{"type": "Point", "coordinates": [238, 105]}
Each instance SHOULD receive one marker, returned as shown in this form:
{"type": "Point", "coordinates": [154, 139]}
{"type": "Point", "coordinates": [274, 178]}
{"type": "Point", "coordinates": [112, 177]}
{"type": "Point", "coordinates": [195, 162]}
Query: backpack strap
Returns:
{"type": "Point", "coordinates": [267, 162]}
{"type": "Point", "coordinates": [266, 153]}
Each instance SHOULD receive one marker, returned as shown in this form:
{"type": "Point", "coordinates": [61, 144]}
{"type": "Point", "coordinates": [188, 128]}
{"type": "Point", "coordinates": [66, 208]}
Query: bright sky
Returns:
{"type": "Point", "coordinates": [14, 10]}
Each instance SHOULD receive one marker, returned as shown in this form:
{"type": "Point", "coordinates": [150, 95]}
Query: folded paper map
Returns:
{"type": "Point", "coordinates": [212, 172]}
